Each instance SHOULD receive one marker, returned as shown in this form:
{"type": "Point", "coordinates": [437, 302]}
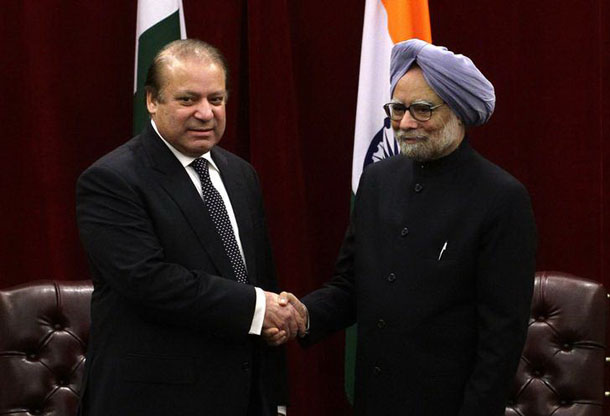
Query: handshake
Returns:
{"type": "Point", "coordinates": [285, 318]}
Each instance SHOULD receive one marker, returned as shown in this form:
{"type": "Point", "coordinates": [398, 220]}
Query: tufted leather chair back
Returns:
{"type": "Point", "coordinates": [44, 330]}
{"type": "Point", "coordinates": [561, 372]}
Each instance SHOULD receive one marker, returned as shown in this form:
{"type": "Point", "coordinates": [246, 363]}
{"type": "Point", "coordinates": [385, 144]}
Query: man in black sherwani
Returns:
{"type": "Point", "coordinates": [438, 263]}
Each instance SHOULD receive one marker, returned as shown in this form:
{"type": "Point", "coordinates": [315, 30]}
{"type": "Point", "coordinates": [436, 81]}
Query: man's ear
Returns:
{"type": "Point", "coordinates": [151, 102]}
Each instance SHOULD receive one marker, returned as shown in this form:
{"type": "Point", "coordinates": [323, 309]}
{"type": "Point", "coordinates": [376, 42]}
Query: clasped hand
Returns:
{"type": "Point", "coordinates": [285, 318]}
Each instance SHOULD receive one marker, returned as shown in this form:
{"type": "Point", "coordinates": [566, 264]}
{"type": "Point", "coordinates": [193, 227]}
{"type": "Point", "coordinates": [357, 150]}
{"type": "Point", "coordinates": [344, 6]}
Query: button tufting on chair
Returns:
{"type": "Point", "coordinates": [562, 366]}
{"type": "Point", "coordinates": [44, 333]}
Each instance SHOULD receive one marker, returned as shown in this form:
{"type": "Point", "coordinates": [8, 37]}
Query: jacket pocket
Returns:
{"type": "Point", "coordinates": [161, 369]}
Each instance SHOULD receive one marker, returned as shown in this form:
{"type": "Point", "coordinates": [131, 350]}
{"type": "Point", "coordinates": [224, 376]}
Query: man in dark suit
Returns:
{"type": "Point", "coordinates": [437, 266]}
{"type": "Point", "coordinates": [183, 276]}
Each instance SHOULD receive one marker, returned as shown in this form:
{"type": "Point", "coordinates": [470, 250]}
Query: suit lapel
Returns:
{"type": "Point", "coordinates": [170, 174]}
{"type": "Point", "coordinates": [237, 190]}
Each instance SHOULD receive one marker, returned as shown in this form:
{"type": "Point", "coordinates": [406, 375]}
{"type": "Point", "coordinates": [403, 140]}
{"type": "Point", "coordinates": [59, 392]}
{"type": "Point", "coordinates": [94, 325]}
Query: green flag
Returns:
{"type": "Point", "coordinates": [158, 23]}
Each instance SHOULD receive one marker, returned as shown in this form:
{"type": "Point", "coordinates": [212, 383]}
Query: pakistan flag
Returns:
{"type": "Point", "coordinates": [158, 23]}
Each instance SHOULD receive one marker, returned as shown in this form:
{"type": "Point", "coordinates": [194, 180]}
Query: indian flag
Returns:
{"type": "Point", "coordinates": [158, 23]}
{"type": "Point", "coordinates": [386, 22]}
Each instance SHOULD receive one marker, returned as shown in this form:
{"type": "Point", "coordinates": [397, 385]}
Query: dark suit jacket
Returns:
{"type": "Point", "coordinates": [170, 323]}
{"type": "Point", "coordinates": [436, 336]}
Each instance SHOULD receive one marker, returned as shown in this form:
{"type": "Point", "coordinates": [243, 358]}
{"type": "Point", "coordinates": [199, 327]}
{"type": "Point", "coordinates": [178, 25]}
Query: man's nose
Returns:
{"type": "Point", "coordinates": [204, 111]}
{"type": "Point", "coordinates": [408, 122]}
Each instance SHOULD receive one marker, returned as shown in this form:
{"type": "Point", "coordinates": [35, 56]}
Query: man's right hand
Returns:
{"type": "Point", "coordinates": [277, 335]}
{"type": "Point", "coordinates": [282, 321]}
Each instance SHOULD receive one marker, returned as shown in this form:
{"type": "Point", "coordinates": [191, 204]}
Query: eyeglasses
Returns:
{"type": "Point", "coordinates": [419, 111]}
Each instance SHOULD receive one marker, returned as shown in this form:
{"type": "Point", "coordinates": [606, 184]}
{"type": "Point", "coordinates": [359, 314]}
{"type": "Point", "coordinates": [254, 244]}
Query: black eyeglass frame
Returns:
{"type": "Point", "coordinates": [431, 109]}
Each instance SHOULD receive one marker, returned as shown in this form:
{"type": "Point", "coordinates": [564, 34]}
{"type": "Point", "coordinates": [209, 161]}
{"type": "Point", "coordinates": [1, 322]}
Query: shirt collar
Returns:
{"type": "Point", "coordinates": [182, 158]}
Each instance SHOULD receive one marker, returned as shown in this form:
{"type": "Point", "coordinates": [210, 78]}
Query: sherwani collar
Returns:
{"type": "Point", "coordinates": [444, 164]}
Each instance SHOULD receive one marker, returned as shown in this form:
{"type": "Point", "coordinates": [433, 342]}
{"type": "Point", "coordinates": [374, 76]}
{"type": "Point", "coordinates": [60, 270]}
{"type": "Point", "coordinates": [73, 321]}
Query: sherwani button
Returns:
{"type": "Point", "coordinates": [245, 366]}
{"type": "Point", "coordinates": [391, 277]}
{"type": "Point", "coordinates": [404, 232]}
{"type": "Point", "coordinates": [418, 187]}
{"type": "Point", "coordinates": [381, 324]}
{"type": "Point", "coordinates": [376, 370]}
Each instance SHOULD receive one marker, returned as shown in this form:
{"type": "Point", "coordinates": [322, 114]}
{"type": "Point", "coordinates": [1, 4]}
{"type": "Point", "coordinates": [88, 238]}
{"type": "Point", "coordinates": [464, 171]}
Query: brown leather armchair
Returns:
{"type": "Point", "coordinates": [44, 331]}
{"type": "Point", "coordinates": [561, 372]}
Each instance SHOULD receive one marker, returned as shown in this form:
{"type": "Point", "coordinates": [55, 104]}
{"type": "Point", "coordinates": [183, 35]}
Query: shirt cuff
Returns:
{"type": "Point", "coordinates": [259, 313]}
{"type": "Point", "coordinates": [281, 410]}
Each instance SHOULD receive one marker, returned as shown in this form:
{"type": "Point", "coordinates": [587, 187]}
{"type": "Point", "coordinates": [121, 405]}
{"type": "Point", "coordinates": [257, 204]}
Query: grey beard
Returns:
{"type": "Point", "coordinates": [433, 146]}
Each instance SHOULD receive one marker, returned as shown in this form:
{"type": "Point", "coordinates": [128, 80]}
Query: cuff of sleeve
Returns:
{"type": "Point", "coordinates": [281, 410]}
{"type": "Point", "coordinates": [259, 313]}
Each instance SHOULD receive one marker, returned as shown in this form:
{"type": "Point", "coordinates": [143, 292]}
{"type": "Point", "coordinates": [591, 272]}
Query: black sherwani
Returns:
{"type": "Point", "coordinates": [170, 323]}
{"type": "Point", "coordinates": [437, 269]}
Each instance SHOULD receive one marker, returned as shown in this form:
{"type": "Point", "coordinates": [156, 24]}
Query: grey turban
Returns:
{"type": "Point", "coordinates": [453, 77]}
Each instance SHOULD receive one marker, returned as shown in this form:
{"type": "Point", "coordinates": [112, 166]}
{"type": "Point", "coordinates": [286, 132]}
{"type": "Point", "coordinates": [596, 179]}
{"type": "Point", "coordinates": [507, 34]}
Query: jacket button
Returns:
{"type": "Point", "coordinates": [376, 370]}
{"type": "Point", "coordinates": [381, 324]}
{"type": "Point", "coordinates": [245, 366]}
{"type": "Point", "coordinates": [391, 277]}
{"type": "Point", "coordinates": [418, 187]}
{"type": "Point", "coordinates": [404, 232]}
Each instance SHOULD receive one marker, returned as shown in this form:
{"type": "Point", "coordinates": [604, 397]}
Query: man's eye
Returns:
{"type": "Point", "coordinates": [399, 108]}
{"type": "Point", "coordinates": [217, 100]}
{"type": "Point", "coordinates": [185, 99]}
{"type": "Point", "coordinates": [420, 109]}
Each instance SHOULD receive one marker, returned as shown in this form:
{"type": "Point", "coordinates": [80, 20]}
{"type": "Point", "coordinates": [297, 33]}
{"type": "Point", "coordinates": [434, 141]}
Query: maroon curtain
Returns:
{"type": "Point", "coordinates": [67, 80]}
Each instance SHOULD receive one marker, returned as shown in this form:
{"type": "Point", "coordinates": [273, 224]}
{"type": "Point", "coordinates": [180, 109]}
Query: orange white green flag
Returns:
{"type": "Point", "coordinates": [386, 22]}
{"type": "Point", "coordinates": [158, 23]}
